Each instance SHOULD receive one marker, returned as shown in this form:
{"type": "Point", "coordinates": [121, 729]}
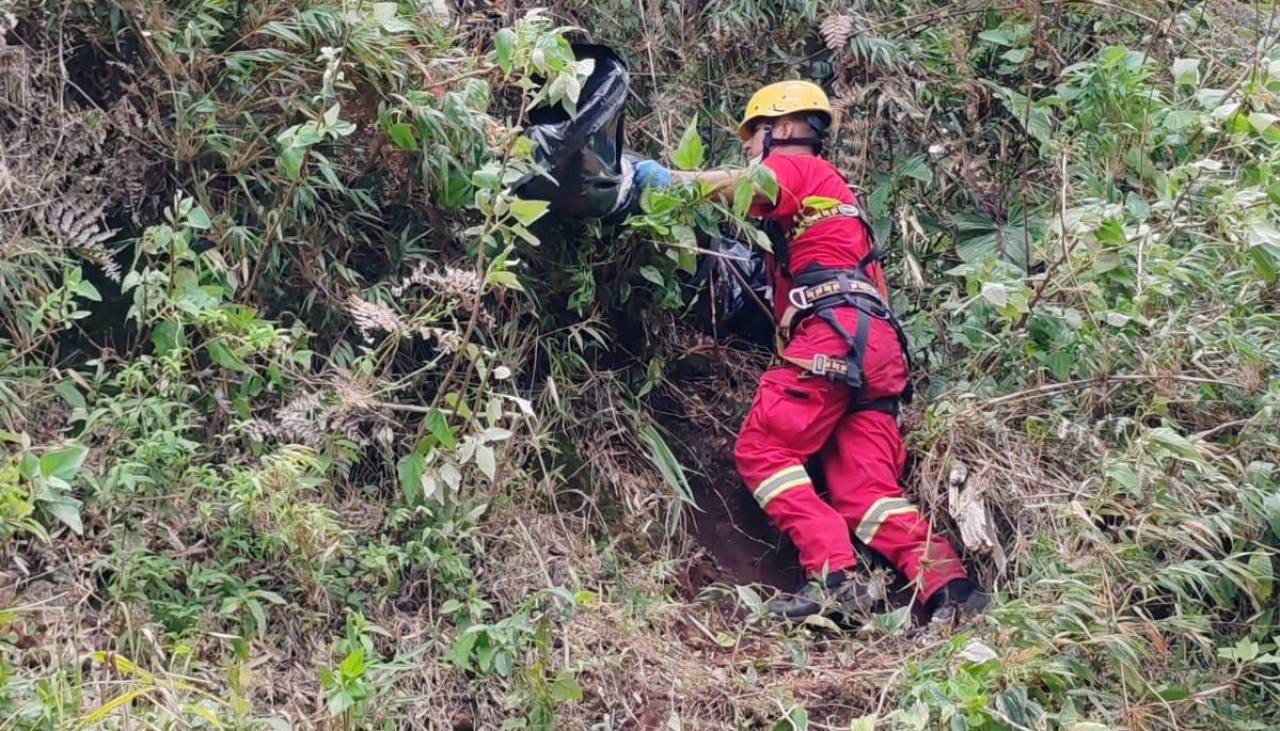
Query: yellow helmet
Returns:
{"type": "Point", "coordinates": [781, 99]}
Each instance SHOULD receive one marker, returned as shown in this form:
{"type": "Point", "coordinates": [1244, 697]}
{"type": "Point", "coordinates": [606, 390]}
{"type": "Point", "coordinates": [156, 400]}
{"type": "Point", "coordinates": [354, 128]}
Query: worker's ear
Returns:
{"type": "Point", "coordinates": [784, 128]}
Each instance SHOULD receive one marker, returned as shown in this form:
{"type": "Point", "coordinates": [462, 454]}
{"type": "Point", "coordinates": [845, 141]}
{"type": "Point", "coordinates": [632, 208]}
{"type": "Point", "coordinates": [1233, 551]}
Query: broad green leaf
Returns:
{"type": "Point", "coordinates": [997, 36]}
{"type": "Point", "coordinates": [409, 472]}
{"type": "Point", "coordinates": [69, 393]}
{"type": "Point", "coordinates": [863, 723]}
{"type": "Point", "coordinates": [1173, 693]}
{"type": "Point", "coordinates": [1175, 443]}
{"type": "Point", "coordinates": [402, 134]}
{"type": "Point", "coordinates": [486, 460]}
{"type": "Point", "coordinates": [1271, 507]}
{"type": "Point", "coordinates": [819, 203]}
{"type": "Point", "coordinates": [1180, 119]}
{"type": "Point", "coordinates": [765, 181]}
{"type": "Point", "coordinates": [353, 665]}
{"type": "Point", "coordinates": [1260, 565]}
{"type": "Point", "coordinates": [198, 219]}
{"type": "Point", "coordinates": [565, 688]}
{"type": "Point", "coordinates": [1034, 118]}
{"type": "Point", "coordinates": [66, 510]}
{"type": "Point", "coordinates": [689, 154]}
{"type": "Point", "coordinates": [891, 622]}
{"type": "Point", "coordinates": [528, 211]}
{"type": "Point", "coordinates": [915, 167]}
{"type": "Point", "coordinates": [744, 193]}
{"type": "Point", "coordinates": [85, 289]}
{"type": "Point", "coordinates": [995, 293]}
{"type": "Point", "coordinates": [63, 463]}
{"type": "Point", "coordinates": [222, 355]}
{"type": "Point", "coordinates": [1186, 71]}
{"type": "Point", "coordinates": [652, 274]}
{"type": "Point", "coordinates": [504, 46]}
{"type": "Point", "coordinates": [1262, 121]}
{"type": "Point", "coordinates": [290, 160]}
{"type": "Point", "coordinates": [438, 424]}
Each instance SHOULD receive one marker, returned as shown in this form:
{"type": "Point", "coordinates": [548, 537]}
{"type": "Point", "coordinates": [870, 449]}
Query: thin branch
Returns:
{"type": "Point", "coordinates": [1052, 388]}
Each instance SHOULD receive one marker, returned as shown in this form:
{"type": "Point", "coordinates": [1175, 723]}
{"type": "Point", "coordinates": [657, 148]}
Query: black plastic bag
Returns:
{"type": "Point", "coordinates": [737, 289]}
{"type": "Point", "coordinates": [583, 151]}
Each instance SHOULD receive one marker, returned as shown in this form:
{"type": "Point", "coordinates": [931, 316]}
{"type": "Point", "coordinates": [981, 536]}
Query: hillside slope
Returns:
{"type": "Point", "coordinates": [308, 422]}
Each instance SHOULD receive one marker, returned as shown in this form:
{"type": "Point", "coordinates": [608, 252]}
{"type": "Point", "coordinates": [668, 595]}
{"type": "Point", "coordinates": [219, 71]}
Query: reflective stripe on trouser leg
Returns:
{"type": "Point", "coordinates": [865, 458]}
{"type": "Point", "coordinates": [880, 511]}
{"type": "Point", "coordinates": [779, 482]}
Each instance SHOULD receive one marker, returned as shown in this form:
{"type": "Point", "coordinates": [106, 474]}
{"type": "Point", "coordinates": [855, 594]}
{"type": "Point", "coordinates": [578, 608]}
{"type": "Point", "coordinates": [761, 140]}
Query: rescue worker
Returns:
{"type": "Point", "coordinates": [843, 371]}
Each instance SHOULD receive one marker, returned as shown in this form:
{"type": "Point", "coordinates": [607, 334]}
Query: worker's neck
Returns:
{"type": "Point", "coordinates": [791, 150]}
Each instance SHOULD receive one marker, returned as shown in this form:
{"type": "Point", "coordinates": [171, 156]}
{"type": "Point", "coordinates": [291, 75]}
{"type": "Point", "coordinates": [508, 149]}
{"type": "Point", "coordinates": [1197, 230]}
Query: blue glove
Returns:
{"type": "Point", "coordinates": [650, 174]}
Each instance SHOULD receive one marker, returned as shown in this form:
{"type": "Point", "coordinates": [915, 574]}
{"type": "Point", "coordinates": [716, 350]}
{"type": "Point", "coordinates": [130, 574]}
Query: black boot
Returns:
{"type": "Point", "coordinates": [958, 598]}
{"type": "Point", "coordinates": [842, 592]}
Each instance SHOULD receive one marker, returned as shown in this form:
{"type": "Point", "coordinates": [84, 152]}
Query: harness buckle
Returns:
{"type": "Point", "coordinates": [820, 363]}
{"type": "Point", "coordinates": [797, 298]}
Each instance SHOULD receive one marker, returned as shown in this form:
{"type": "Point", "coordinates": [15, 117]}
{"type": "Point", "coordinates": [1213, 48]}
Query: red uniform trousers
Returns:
{"type": "Point", "coordinates": [796, 415]}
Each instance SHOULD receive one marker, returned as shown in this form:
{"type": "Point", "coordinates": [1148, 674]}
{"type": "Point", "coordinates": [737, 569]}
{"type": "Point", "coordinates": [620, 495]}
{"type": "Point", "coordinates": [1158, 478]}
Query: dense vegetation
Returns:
{"type": "Point", "coordinates": [308, 421]}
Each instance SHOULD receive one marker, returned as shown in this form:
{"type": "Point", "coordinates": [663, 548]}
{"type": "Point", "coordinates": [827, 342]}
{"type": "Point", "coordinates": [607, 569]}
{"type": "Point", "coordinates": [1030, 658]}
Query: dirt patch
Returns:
{"type": "Point", "coordinates": [701, 411]}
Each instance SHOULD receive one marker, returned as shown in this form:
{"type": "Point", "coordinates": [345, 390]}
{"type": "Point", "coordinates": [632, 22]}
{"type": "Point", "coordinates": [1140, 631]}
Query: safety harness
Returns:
{"type": "Point", "coordinates": [821, 291]}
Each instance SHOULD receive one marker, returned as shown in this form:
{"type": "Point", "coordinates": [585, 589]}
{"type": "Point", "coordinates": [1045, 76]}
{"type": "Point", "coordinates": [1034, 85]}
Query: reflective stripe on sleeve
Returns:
{"type": "Point", "coordinates": [880, 511]}
{"type": "Point", "coordinates": [779, 482]}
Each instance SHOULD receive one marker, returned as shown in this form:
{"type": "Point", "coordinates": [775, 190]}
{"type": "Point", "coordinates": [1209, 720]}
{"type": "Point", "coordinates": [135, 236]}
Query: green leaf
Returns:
{"type": "Point", "coordinates": [290, 160]}
{"type": "Point", "coordinates": [1186, 72]}
{"type": "Point", "coordinates": [67, 511]}
{"type": "Point", "coordinates": [1034, 118]}
{"type": "Point", "coordinates": [997, 36]}
{"type": "Point", "coordinates": [438, 424]}
{"type": "Point", "coordinates": [528, 211]}
{"type": "Point", "coordinates": [85, 289]}
{"type": "Point", "coordinates": [995, 293]}
{"type": "Point", "coordinates": [69, 393]}
{"type": "Point", "coordinates": [63, 463]}
{"type": "Point", "coordinates": [915, 167]}
{"type": "Point", "coordinates": [402, 134]}
{"type": "Point", "coordinates": [652, 274]}
{"type": "Point", "coordinates": [504, 47]}
{"type": "Point", "coordinates": [409, 471]}
{"type": "Point", "coordinates": [1016, 55]}
{"type": "Point", "coordinates": [1260, 565]}
{"type": "Point", "coordinates": [1138, 206]}
{"type": "Point", "coordinates": [1175, 443]}
{"type": "Point", "coordinates": [819, 203]}
{"type": "Point", "coordinates": [353, 664]}
{"type": "Point", "coordinates": [765, 181]}
{"type": "Point", "coordinates": [689, 154]}
{"type": "Point", "coordinates": [220, 354]}
{"type": "Point", "coordinates": [1271, 507]}
{"type": "Point", "coordinates": [198, 219]}
{"type": "Point", "coordinates": [750, 598]}
{"type": "Point", "coordinates": [1262, 121]}
{"type": "Point", "coordinates": [565, 688]}
{"type": "Point", "coordinates": [864, 723]}
{"type": "Point", "coordinates": [744, 193]}
{"type": "Point", "coordinates": [891, 622]}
